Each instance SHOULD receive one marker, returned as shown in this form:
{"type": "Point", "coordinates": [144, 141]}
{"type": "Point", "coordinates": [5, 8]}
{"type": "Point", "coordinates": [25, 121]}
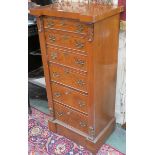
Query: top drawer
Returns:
{"type": "Point", "coordinates": [65, 25]}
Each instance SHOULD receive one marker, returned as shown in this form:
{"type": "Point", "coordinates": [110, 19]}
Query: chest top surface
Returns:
{"type": "Point", "coordinates": [84, 12]}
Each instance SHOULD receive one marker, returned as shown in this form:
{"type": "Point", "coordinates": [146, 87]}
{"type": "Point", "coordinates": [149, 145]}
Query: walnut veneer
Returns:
{"type": "Point", "coordinates": [79, 44]}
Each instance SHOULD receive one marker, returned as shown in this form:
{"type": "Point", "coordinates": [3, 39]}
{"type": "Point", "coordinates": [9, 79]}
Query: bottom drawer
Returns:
{"type": "Point", "coordinates": [71, 117]}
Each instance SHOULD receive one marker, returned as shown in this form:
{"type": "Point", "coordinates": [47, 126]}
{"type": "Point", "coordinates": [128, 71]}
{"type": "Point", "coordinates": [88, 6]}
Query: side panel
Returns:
{"type": "Point", "coordinates": [45, 63]}
{"type": "Point", "coordinates": [105, 70]}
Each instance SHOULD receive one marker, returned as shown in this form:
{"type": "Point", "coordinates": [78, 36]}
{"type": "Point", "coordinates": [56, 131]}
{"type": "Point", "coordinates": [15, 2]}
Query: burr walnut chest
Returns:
{"type": "Point", "coordinates": [79, 45]}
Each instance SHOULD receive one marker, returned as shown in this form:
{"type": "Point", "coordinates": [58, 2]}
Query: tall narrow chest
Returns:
{"type": "Point", "coordinates": [79, 45]}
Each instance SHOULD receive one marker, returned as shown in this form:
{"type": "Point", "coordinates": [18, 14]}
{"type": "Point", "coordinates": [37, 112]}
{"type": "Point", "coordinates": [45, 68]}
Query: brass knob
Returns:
{"type": "Point", "coordinates": [57, 94]}
{"type": "Point", "coordinates": [80, 82]}
{"type": "Point", "coordinates": [81, 103]}
{"type": "Point", "coordinates": [54, 55]}
{"type": "Point", "coordinates": [80, 62]}
{"type": "Point", "coordinates": [79, 44]}
{"type": "Point", "coordinates": [52, 38]}
{"type": "Point", "coordinates": [83, 124]}
{"type": "Point", "coordinates": [55, 74]}
{"type": "Point", "coordinates": [60, 114]}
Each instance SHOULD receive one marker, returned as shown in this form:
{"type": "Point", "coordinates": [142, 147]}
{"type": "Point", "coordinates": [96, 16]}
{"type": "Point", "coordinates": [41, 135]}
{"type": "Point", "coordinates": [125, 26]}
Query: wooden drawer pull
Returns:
{"type": "Point", "coordinates": [54, 55]}
{"type": "Point", "coordinates": [81, 103]}
{"type": "Point", "coordinates": [55, 74]}
{"type": "Point", "coordinates": [80, 82]}
{"type": "Point", "coordinates": [57, 94]}
{"type": "Point", "coordinates": [52, 38]}
{"type": "Point", "coordinates": [83, 124]}
{"type": "Point", "coordinates": [79, 44]}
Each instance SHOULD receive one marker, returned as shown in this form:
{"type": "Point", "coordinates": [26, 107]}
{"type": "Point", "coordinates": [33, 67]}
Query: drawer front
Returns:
{"type": "Point", "coordinates": [71, 117]}
{"type": "Point", "coordinates": [66, 40]}
{"type": "Point", "coordinates": [65, 24]}
{"type": "Point", "coordinates": [68, 77]}
{"type": "Point", "coordinates": [67, 58]}
{"type": "Point", "coordinates": [70, 97]}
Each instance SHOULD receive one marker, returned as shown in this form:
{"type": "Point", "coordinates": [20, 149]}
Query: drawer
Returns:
{"type": "Point", "coordinates": [68, 77]}
{"type": "Point", "coordinates": [63, 39]}
{"type": "Point", "coordinates": [71, 117]}
{"type": "Point", "coordinates": [70, 97]}
{"type": "Point", "coordinates": [65, 25]}
{"type": "Point", "coordinates": [67, 58]}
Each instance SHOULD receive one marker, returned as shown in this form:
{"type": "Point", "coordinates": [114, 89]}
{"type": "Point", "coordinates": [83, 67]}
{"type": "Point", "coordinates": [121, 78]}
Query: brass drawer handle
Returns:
{"type": "Point", "coordinates": [80, 62]}
{"type": "Point", "coordinates": [54, 55]}
{"type": "Point", "coordinates": [52, 38]}
{"type": "Point", "coordinates": [50, 23]}
{"type": "Point", "coordinates": [79, 44]}
{"type": "Point", "coordinates": [80, 82]}
{"type": "Point", "coordinates": [60, 114]}
{"type": "Point", "coordinates": [83, 124]}
{"type": "Point", "coordinates": [79, 28]}
{"type": "Point", "coordinates": [63, 23]}
{"type": "Point", "coordinates": [81, 103]}
{"type": "Point", "coordinates": [57, 94]}
{"type": "Point", "coordinates": [55, 74]}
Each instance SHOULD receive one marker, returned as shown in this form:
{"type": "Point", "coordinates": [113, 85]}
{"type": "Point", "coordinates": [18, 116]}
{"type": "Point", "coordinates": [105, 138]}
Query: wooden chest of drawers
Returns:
{"type": "Point", "coordinates": [79, 46]}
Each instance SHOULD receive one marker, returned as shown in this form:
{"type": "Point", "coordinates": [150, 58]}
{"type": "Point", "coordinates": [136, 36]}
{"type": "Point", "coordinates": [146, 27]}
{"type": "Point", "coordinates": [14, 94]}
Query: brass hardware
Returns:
{"type": "Point", "coordinates": [79, 44]}
{"type": "Point", "coordinates": [51, 111]}
{"type": "Point", "coordinates": [50, 23]}
{"type": "Point", "coordinates": [60, 114]}
{"type": "Point", "coordinates": [66, 71]}
{"type": "Point", "coordinates": [57, 94]}
{"type": "Point", "coordinates": [55, 74]}
{"type": "Point", "coordinates": [63, 23]}
{"type": "Point", "coordinates": [52, 38]}
{"type": "Point", "coordinates": [81, 103]}
{"type": "Point", "coordinates": [80, 62]}
{"type": "Point", "coordinates": [90, 34]}
{"type": "Point", "coordinates": [80, 82]}
{"type": "Point", "coordinates": [54, 55]}
{"type": "Point", "coordinates": [91, 132]}
{"type": "Point", "coordinates": [83, 124]}
{"type": "Point", "coordinates": [80, 28]}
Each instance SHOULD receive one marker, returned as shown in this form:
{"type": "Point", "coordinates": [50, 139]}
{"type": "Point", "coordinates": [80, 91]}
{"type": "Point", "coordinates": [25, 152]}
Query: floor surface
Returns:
{"type": "Point", "coordinates": [38, 100]}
